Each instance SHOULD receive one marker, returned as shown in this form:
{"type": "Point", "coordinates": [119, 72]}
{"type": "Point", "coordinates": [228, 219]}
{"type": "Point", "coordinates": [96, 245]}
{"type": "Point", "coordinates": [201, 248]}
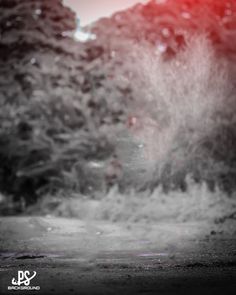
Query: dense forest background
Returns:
{"type": "Point", "coordinates": [85, 117]}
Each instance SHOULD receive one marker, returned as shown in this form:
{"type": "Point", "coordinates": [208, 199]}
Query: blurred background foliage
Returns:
{"type": "Point", "coordinates": [68, 108]}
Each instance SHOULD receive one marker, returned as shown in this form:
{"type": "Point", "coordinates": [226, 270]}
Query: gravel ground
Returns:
{"type": "Point", "coordinates": [81, 257]}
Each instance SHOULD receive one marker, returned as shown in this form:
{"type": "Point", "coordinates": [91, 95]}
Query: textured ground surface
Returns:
{"type": "Point", "coordinates": [78, 257]}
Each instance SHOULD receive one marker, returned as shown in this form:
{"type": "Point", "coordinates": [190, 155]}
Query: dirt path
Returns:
{"type": "Point", "coordinates": [84, 257]}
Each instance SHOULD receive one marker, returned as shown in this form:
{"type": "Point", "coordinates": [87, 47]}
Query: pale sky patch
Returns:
{"type": "Point", "coordinates": [91, 10]}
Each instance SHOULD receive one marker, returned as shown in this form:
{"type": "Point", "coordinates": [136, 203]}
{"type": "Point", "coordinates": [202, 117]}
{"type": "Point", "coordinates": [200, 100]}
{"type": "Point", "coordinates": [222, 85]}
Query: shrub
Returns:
{"type": "Point", "coordinates": [184, 110]}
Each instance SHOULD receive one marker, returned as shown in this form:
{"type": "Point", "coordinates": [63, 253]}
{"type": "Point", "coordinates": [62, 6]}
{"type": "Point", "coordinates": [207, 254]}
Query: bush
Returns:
{"type": "Point", "coordinates": [184, 117]}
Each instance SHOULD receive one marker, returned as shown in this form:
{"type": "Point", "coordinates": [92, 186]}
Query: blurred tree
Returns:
{"type": "Point", "coordinates": [33, 38]}
{"type": "Point", "coordinates": [28, 27]}
{"type": "Point", "coordinates": [50, 106]}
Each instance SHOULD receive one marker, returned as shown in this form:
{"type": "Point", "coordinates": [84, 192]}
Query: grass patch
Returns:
{"type": "Point", "coordinates": [196, 204]}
